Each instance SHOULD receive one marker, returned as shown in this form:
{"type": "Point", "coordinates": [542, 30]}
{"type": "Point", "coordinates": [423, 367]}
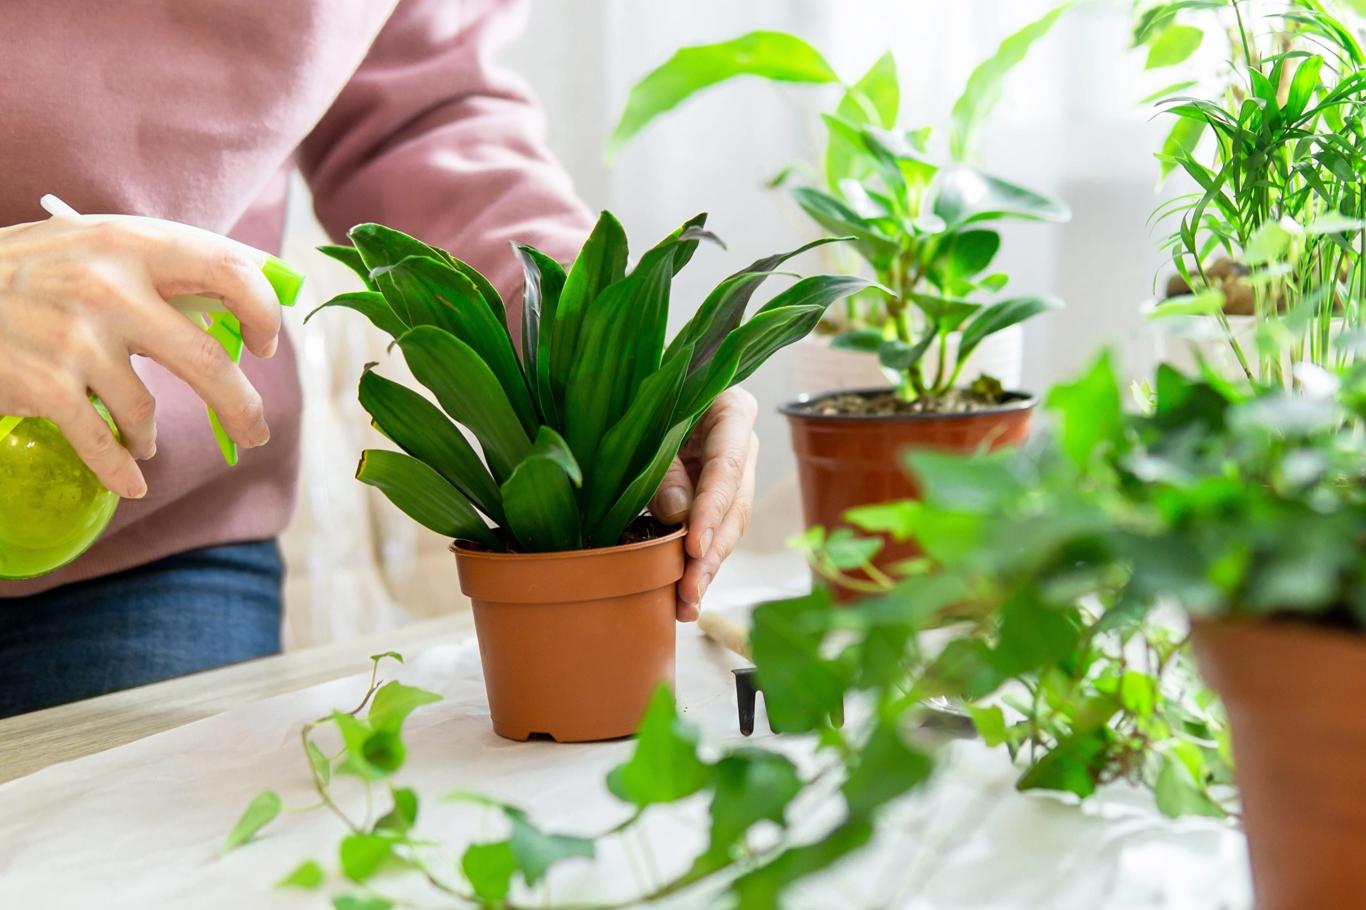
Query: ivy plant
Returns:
{"type": "Point", "coordinates": [354, 759]}
{"type": "Point", "coordinates": [1044, 566]}
{"type": "Point", "coordinates": [925, 224]}
{"type": "Point", "coordinates": [578, 431]}
{"type": "Point", "coordinates": [1275, 147]}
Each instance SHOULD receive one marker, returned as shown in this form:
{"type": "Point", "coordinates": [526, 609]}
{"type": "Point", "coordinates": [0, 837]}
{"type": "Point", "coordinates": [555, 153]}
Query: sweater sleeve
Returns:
{"type": "Point", "coordinates": [431, 138]}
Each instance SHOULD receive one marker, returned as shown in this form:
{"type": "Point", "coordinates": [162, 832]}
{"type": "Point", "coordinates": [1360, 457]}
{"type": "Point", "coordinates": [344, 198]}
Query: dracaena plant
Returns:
{"type": "Point", "coordinates": [1274, 144]}
{"type": "Point", "coordinates": [578, 431]}
{"type": "Point", "coordinates": [924, 223]}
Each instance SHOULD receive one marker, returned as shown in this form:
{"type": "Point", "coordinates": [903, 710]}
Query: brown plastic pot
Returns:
{"type": "Point", "coordinates": [852, 460]}
{"type": "Point", "coordinates": [573, 644]}
{"type": "Point", "coordinates": [1296, 701]}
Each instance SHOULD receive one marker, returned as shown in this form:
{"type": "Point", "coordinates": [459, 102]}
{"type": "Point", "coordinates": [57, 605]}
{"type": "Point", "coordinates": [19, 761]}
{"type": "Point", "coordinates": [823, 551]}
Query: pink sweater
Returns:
{"type": "Point", "coordinates": [196, 110]}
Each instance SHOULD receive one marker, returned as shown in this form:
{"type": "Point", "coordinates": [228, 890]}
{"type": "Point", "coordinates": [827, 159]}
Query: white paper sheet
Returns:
{"type": "Point", "coordinates": [140, 826]}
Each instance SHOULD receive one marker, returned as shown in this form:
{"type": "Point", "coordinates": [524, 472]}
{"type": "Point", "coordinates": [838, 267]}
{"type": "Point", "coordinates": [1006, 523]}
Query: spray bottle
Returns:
{"type": "Point", "coordinates": [52, 508]}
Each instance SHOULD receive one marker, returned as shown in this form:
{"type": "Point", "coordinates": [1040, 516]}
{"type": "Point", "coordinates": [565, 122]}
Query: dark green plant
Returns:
{"type": "Point", "coordinates": [579, 430]}
{"type": "Point", "coordinates": [1276, 148]}
{"type": "Point", "coordinates": [1046, 563]}
{"type": "Point", "coordinates": [924, 225]}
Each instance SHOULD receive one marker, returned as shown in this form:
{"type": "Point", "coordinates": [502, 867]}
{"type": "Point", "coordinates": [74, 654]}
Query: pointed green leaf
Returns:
{"type": "Point", "coordinates": [874, 99]}
{"type": "Point", "coordinates": [260, 812]}
{"type": "Point", "coordinates": [724, 307]}
{"type": "Point", "coordinates": [999, 316]}
{"type": "Point", "coordinates": [1089, 411]}
{"type": "Point", "coordinates": [772, 55]}
{"type": "Point", "coordinates": [542, 510]}
{"type": "Point", "coordinates": [601, 263]}
{"type": "Point", "coordinates": [307, 875]}
{"type": "Point", "coordinates": [962, 195]}
{"type": "Point", "coordinates": [983, 90]}
{"type": "Point", "coordinates": [403, 815]}
{"type": "Point", "coordinates": [371, 305]}
{"type": "Point", "coordinates": [361, 855]}
{"type": "Point", "coordinates": [664, 767]}
{"type": "Point", "coordinates": [423, 495]}
{"type": "Point", "coordinates": [536, 851]}
{"type": "Point", "coordinates": [469, 392]}
{"type": "Point", "coordinates": [422, 430]}
{"type": "Point", "coordinates": [641, 490]}
{"type": "Point", "coordinates": [632, 441]}
{"type": "Point", "coordinates": [543, 283]}
{"type": "Point", "coordinates": [394, 702]}
{"type": "Point", "coordinates": [438, 295]}
{"type": "Point", "coordinates": [349, 256]}
{"type": "Point", "coordinates": [865, 340]}
{"type": "Point", "coordinates": [489, 869]}
{"type": "Point", "coordinates": [620, 344]}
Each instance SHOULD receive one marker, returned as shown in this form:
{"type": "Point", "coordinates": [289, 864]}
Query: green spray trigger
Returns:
{"type": "Point", "coordinates": [226, 329]}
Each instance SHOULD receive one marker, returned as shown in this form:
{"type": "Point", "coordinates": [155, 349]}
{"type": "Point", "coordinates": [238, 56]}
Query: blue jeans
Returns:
{"type": "Point", "coordinates": [188, 612]}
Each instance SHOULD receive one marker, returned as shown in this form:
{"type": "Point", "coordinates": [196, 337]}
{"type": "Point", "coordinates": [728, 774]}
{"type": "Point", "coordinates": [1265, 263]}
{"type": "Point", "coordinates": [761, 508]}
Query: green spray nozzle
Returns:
{"type": "Point", "coordinates": [226, 329]}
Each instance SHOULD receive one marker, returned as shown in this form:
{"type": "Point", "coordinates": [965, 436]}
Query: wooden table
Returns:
{"type": "Point", "coordinates": [31, 742]}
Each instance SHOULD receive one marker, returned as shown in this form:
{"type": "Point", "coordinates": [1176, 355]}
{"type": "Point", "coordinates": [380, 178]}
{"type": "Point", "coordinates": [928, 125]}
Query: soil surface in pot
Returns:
{"type": "Point", "coordinates": [646, 527]}
{"type": "Point", "coordinates": [885, 404]}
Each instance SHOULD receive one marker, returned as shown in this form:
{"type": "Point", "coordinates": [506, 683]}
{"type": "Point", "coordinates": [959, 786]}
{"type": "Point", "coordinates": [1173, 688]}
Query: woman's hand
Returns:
{"type": "Point", "coordinates": [80, 295]}
{"type": "Point", "coordinates": [711, 484]}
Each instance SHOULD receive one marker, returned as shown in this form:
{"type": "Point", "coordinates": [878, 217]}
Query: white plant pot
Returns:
{"type": "Point", "coordinates": [817, 367]}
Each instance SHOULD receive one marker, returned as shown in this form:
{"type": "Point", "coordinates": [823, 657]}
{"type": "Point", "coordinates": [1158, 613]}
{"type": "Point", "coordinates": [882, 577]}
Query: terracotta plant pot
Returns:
{"type": "Point", "coordinates": [853, 460]}
{"type": "Point", "coordinates": [573, 644]}
{"type": "Point", "coordinates": [1296, 701]}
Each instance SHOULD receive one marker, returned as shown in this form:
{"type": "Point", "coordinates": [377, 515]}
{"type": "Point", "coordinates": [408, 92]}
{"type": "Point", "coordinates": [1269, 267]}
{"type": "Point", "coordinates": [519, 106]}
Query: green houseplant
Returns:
{"type": "Point", "coordinates": [573, 587]}
{"type": "Point", "coordinates": [1243, 505]}
{"type": "Point", "coordinates": [925, 224]}
{"type": "Point", "coordinates": [1267, 248]}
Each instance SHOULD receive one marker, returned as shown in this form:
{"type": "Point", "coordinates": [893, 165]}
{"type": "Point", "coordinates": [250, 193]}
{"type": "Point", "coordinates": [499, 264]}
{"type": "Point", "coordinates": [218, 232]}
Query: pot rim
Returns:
{"type": "Point", "coordinates": [1016, 401]}
{"type": "Point", "coordinates": [467, 552]}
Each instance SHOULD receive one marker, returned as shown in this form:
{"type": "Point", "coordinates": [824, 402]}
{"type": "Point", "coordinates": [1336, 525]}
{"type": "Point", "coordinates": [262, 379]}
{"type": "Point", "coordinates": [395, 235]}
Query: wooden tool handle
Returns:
{"type": "Point", "coordinates": [725, 633]}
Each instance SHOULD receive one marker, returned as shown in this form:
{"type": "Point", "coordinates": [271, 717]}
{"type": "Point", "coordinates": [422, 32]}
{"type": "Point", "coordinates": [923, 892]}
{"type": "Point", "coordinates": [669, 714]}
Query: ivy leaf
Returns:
{"type": "Point", "coordinates": [762, 888]}
{"type": "Point", "coordinates": [1178, 794]}
{"type": "Point", "coordinates": [394, 702]}
{"type": "Point", "coordinates": [403, 815]}
{"type": "Point", "coordinates": [489, 869]}
{"type": "Point", "coordinates": [886, 769]}
{"type": "Point", "coordinates": [1071, 766]}
{"type": "Point", "coordinates": [362, 854]}
{"type": "Point", "coordinates": [1138, 693]}
{"type": "Point", "coordinates": [536, 851]}
{"type": "Point", "coordinates": [990, 722]}
{"type": "Point", "coordinates": [664, 767]}
{"type": "Point", "coordinates": [352, 902]}
{"type": "Point", "coordinates": [751, 785]}
{"type": "Point", "coordinates": [370, 754]}
{"type": "Point", "coordinates": [307, 875]}
{"type": "Point", "coordinates": [801, 688]}
{"type": "Point", "coordinates": [321, 766]}
{"type": "Point", "coordinates": [260, 812]}
{"type": "Point", "coordinates": [1089, 411]}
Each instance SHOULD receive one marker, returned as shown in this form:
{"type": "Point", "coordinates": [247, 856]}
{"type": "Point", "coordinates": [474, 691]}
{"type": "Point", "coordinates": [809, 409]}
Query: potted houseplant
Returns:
{"type": "Point", "coordinates": [1246, 506]}
{"type": "Point", "coordinates": [573, 587]}
{"type": "Point", "coordinates": [1271, 230]}
{"type": "Point", "coordinates": [924, 226]}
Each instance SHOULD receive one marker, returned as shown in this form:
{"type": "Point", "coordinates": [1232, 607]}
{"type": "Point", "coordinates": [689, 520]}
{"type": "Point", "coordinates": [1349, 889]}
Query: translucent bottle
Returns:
{"type": "Point", "coordinates": [52, 507]}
